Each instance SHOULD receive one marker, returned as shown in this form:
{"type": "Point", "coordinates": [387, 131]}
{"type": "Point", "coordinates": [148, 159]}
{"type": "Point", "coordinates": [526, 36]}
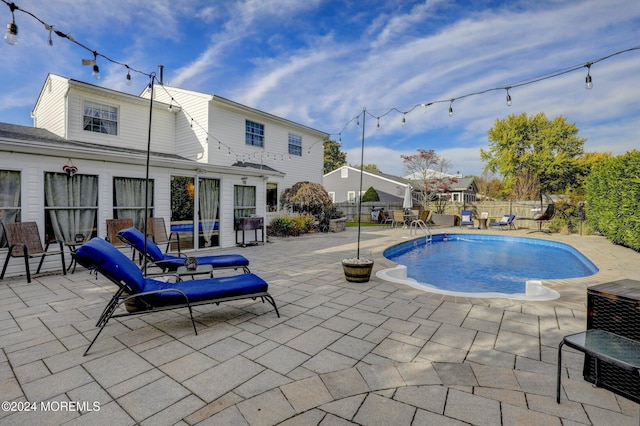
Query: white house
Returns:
{"type": "Point", "coordinates": [210, 159]}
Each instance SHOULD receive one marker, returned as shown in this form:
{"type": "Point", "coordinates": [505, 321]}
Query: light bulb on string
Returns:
{"type": "Point", "coordinates": [588, 81]}
{"type": "Point", "coordinates": [508, 97]}
{"type": "Point", "coordinates": [377, 123]}
{"type": "Point", "coordinates": [128, 78]}
{"type": "Point", "coordinates": [11, 36]}
{"type": "Point", "coordinates": [404, 120]}
{"type": "Point", "coordinates": [50, 29]}
{"type": "Point", "coordinates": [96, 69]}
{"type": "Point", "coordinates": [451, 108]}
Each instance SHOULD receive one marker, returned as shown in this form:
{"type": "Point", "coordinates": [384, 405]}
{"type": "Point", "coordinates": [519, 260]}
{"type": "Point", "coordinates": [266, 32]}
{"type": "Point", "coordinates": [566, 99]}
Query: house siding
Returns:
{"type": "Point", "coordinates": [334, 182]}
{"type": "Point", "coordinates": [59, 109]}
{"type": "Point", "coordinates": [49, 113]}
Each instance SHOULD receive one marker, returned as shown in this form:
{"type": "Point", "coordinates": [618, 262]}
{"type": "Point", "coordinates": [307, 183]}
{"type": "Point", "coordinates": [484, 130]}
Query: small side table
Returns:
{"type": "Point", "coordinates": [200, 270]}
{"type": "Point", "coordinates": [483, 223]}
{"type": "Point", "coordinates": [602, 345]}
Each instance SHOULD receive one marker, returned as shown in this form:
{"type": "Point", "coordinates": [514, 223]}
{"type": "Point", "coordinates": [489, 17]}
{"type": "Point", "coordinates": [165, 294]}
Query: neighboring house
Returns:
{"type": "Point", "coordinates": [343, 185]}
{"type": "Point", "coordinates": [464, 190]}
{"type": "Point", "coordinates": [84, 162]}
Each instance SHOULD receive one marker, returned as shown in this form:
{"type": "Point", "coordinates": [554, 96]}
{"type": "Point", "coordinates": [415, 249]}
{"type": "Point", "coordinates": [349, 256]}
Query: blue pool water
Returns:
{"type": "Point", "coordinates": [486, 263]}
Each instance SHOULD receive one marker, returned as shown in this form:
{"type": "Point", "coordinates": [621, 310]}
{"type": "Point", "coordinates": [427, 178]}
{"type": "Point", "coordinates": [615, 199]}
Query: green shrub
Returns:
{"type": "Point", "coordinates": [612, 194]}
{"type": "Point", "coordinates": [370, 195]}
{"type": "Point", "coordinates": [290, 225]}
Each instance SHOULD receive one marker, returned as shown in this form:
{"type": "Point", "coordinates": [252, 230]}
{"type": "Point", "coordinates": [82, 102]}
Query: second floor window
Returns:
{"type": "Point", "coordinates": [295, 144]}
{"type": "Point", "coordinates": [100, 118]}
{"type": "Point", "coordinates": [255, 133]}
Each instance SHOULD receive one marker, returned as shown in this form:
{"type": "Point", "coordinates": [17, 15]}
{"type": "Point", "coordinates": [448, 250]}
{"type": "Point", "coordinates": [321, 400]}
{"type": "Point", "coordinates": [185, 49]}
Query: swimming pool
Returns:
{"type": "Point", "coordinates": [485, 265]}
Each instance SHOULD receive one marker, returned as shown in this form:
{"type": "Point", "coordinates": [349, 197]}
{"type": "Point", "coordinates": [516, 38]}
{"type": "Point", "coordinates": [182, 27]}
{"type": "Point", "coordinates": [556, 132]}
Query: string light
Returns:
{"type": "Point", "coordinates": [11, 36]}
{"type": "Point", "coordinates": [403, 118]}
{"type": "Point", "coordinates": [50, 29]}
{"type": "Point", "coordinates": [96, 69]}
{"type": "Point", "coordinates": [12, 33]}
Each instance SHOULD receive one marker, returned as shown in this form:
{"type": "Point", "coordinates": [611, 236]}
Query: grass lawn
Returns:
{"type": "Point", "coordinates": [355, 224]}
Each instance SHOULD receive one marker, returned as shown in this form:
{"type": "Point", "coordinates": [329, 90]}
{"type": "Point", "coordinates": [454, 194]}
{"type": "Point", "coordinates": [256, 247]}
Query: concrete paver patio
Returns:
{"type": "Point", "coordinates": [341, 353]}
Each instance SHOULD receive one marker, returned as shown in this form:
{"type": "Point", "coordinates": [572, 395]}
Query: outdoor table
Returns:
{"type": "Point", "coordinates": [200, 270]}
{"type": "Point", "coordinates": [602, 345]}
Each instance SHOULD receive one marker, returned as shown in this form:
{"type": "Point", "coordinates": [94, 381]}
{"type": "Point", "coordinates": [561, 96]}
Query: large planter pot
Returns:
{"type": "Point", "coordinates": [337, 225]}
{"type": "Point", "coordinates": [357, 270]}
{"type": "Point", "coordinates": [444, 219]}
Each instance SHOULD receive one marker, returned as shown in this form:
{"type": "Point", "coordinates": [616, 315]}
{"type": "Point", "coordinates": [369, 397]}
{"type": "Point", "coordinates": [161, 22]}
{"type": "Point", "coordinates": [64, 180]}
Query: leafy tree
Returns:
{"type": "Point", "coordinates": [306, 197]}
{"type": "Point", "coordinates": [333, 157]}
{"type": "Point", "coordinates": [489, 186]}
{"type": "Point", "coordinates": [548, 149]}
{"type": "Point", "coordinates": [370, 195]}
{"type": "Point", "coordinates": [430, 170]}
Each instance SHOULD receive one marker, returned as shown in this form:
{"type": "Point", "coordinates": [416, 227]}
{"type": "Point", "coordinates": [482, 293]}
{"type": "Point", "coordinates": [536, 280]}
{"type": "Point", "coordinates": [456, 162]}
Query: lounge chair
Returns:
{"type": "Point", "coordinates": [23, 240]}
{"type": "Point", "coordinates": [142, 295]}
{"type": "Point", "coordinates": [167, 262]}
{"type": "Point", "coordinates": [466, 218]}
{"type": "Point", "coordinates": [505, 222]}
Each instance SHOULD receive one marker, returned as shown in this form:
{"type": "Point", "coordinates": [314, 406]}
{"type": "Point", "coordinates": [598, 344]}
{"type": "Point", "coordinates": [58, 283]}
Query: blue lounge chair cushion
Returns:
{"type": "Point", "coordinates": [171, 262]}
{"type": "Point", "coordinates": [109, 261]}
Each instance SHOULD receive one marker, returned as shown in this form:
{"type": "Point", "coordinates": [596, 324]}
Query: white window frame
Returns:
{"type": "Point", "coordinates": [254, 133]}
{"type": "Point", "coordinates": [351, 196]}
{"type": "Point", "coordinates": [295, 144]}
{"type": "Point", "coordinates": [100, 118]}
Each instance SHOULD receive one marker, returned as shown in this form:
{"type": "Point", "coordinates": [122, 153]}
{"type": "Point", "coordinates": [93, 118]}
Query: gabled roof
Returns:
{"type": "Point", "coordinates": [380, 175]}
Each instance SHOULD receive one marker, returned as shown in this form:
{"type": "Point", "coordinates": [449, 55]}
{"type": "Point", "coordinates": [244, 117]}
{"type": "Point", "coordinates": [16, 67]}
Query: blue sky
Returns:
{"type": "Point", "coordinates": [320, 62]}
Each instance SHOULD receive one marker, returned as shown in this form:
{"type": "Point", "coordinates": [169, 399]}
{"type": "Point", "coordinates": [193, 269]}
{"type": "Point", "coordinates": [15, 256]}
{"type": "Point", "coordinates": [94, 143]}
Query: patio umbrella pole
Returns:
{"type": "Point", "coordinates": [364, 119]}
{"type": "Point", "coordinates": [146, 185]}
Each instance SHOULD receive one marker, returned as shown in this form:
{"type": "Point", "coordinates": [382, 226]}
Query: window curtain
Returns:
{"type": "Point", "coordinates": [129, 199]}
{"type": "Point", "coordinates": [10, 191]}
{"type": "Point", "coordinates": [71, 202]}
{"type": "Point", "coordinates": [245, 197]}
{"type": "Point", "coordinates": [208, 197]}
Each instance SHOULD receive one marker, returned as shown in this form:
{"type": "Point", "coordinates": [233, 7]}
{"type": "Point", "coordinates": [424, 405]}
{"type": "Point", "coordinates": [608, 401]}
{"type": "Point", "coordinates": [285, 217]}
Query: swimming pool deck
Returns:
{"type": "Point", "coordinates": [376, 353]}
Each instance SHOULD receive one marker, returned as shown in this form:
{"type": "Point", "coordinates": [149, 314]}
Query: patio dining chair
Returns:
{"type": "Point", "coordinates": [23, 240]}
{"type": "Point", "coordinates": [114, 226]}
{"type": "Point", "coordinates": [157, 230]}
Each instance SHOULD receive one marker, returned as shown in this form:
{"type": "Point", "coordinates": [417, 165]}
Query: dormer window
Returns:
{"type": "Point", "coordinates": [100, 118]}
